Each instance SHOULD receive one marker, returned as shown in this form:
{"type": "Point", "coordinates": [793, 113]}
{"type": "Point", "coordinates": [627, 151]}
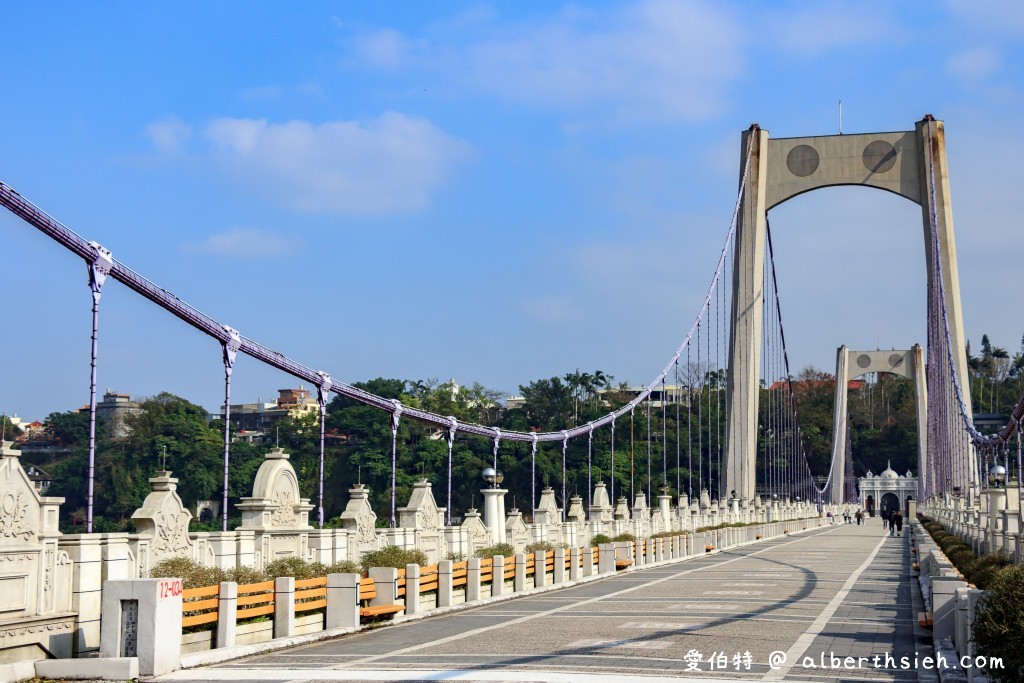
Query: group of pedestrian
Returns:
{"type": "Point", "coordinates": [892, 520]}
{"type": "Point", "coordinates": [848, 517]}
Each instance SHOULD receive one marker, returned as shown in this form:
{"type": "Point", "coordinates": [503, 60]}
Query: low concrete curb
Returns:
{"type": "Point", "coordinates": [105, 668]}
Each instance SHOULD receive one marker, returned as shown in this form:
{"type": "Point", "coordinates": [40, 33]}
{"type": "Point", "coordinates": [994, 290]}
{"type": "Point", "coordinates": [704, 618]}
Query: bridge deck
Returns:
{"type": "Point", "coordinates": [842, 591]}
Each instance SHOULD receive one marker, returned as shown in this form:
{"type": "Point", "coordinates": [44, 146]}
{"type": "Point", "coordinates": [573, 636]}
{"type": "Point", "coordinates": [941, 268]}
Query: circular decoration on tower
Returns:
{"type": "Point", "coordinates": [895, 359]}
{"type": "Point", "coordinates": [879, 156]}
{"type": "Point", "coordinates": [802, 160]}
{"type": "Point", "coordinates": [863, 360]}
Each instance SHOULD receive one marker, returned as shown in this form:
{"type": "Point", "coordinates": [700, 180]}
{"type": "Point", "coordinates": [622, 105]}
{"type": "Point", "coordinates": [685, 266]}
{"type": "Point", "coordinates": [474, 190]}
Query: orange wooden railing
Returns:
{"type": "Point", "coordinates": [310, 594]}
{"type": "Point", "coordinates": [255, 600]}
{"type": "Point", "coordinates": [428, 579]}
{"type": "Point", "coordinates": [459, 572]}
{"type": "Point", "coordinates": [198, 607]}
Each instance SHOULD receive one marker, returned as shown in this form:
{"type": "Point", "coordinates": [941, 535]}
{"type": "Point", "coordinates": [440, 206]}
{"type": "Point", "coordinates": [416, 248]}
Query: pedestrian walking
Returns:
{"type": "Point", "coordinates": [885, 520]}
{"type": "Point", "coordinates": [897, 521]}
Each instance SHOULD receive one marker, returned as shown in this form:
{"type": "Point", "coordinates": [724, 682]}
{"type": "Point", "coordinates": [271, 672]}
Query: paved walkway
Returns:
{"type": "Point", "coordinates": [751, 613]}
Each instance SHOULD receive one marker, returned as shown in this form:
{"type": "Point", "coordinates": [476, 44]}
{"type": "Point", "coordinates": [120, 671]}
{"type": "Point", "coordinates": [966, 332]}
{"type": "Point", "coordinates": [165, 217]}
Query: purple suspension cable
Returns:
{"type": "Point", "coordinates": [99, 267]}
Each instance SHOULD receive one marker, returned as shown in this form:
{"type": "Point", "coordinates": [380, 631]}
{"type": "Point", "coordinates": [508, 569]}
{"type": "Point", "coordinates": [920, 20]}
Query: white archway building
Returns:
{"type": "Point", "coordinates": [886, 491]}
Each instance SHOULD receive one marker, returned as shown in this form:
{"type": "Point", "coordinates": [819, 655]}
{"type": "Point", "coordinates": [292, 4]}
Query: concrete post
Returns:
{"type": "Point", "coordinates": [343, 600]}
{"type": "Point", "coordinates": [444, 583]}
{"type": "Point", "coordinates": [498, 576]}
{"type": "Point", "coordinates": [385, 581]}
{"type": "Point", "coordinates": [558, 576]}
{"type": "Point", "coordinates": [284, 606]}
{"type": "Point", "coordinates": [246, 548]}
{"type": "Point", "coordinates": [944, 605]}
{"type": "Point", "coordinates": [86, 589]}
{"type": "Point", "coordinates": [652, 555]}
{"type": "Point", "coordinates": [539, 575]}
{"type": "Point", "coordinates": [227, 611]}
{"type": "Point", "coordinates": [473, 579]}
{"type": "Point", "coordinates": [225, 548]}
{"type": "Point", "coordinates": [575, 560]}
{"type": "Point", "coordinates": [412, 588]}
{"type": "Point", "coordinates": [588, 561]}
{"type": "Point", "coordinates": [606, 558]}
{"type": "Point", "coordinates": [520, 579]}
{"type": "Point", "coordinates": [155, 607]}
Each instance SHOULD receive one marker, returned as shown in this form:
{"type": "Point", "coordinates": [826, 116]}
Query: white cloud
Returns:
{"type": "Point", "coordinates": [999, 16]}
{"type": "Point", "coordinates": [976, 64]}
{"type": "Point", "coordinates": [245, 243]}
{"type": "Point", "coordinates": [817, 27]}
{"type": "Point", "coordinates": [382, 49]}
{"type": "Point", "coordinates": [389, 164]}
{"type": "Point", "coordinates": [168, 134]}
{"type": "Point", "coordinates": [656, 60]}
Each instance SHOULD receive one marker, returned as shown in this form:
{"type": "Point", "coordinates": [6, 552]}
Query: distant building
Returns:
{"type": "Point", "coordinates": [254, 422]}
{"type": "Point", "coordinates": [39, 477]}
{"type": "Point", "coordinates": [885, 492]}
{"type": "Point", "coordinates": [114, 410]}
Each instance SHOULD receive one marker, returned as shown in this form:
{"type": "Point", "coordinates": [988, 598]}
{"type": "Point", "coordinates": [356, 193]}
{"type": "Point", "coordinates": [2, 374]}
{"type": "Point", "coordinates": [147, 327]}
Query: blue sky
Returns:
{"type": "Point", "coordinates": [490, 192]}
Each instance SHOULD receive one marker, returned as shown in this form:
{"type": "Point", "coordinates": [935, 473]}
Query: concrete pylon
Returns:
{"type": "Point", "coordinates": [781, 169]}
{"type": "Point", "coordinates": [853, 364]}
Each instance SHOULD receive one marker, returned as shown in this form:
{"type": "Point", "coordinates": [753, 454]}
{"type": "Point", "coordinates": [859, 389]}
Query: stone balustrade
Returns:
{"type": "Point", "coordinates": [67, 571]}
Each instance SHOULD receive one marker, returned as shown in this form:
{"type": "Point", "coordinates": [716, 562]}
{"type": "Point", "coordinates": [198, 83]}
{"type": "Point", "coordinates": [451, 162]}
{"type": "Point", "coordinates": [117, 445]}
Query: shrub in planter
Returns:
{"type": "Point", "coordinates": [600, 539]}
{"type": "Point", "coordinates": [503, 549]}
{"type": "Point", "coordinates": [962, 558]}
{"type": "Point", "coordinates": [984, 570]}
{"type": "Point", "coordinates": [624, 537]}
{"type": "Point", "coordinates": [192, 574]}
{"type": "Point", "coordinates": [294, 566]}
{"type": "Point", "coordinates": [997, 629]}
{"type": "Point", "coordinates": [344, 567]}
{"type": "Point", "coordinates": [245, 575]}
{"type": "Point", "coordinates": [539, 546]}
{"type": "Point", "coordinates": [395, 557]}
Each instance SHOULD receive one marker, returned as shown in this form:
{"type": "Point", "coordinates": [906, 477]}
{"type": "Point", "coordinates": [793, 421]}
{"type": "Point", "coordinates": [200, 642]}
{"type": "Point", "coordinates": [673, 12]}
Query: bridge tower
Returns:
{"type": "Point", "coordinates": [780, 169]}
{"type": "Point", "coordinates": [852, 364]}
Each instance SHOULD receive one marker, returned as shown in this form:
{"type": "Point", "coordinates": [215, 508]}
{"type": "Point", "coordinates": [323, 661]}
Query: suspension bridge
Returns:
{"type": "Point", "coordinates": [743, 446]}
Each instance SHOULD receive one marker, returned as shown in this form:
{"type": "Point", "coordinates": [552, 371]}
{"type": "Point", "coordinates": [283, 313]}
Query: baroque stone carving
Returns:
{"type": "Point", "coordinates": [422, 512]}
{"type": "Point", "coordinates": [14, 521]}
{"type": "Point", "coordinates": [276, 502]}
{"type": "Point", "coordinates": [359, 516]}
{"type": "Point", "coordinates": [164, 519]}
{"type": "Point", "coordinates": [284, 515]}
{"type": "Point", "coordinates": [9, 632]}
{"type": "Point", "coordinates": [172, 533]}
